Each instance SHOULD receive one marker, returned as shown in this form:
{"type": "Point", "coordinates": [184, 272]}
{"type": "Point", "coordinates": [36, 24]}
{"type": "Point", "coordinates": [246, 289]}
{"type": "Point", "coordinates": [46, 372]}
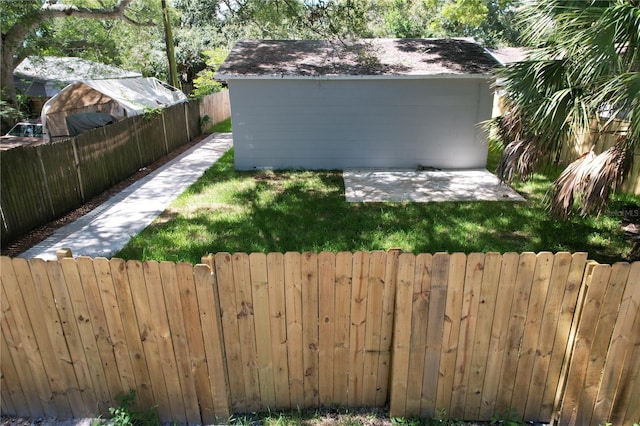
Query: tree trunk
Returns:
{"type": "Point", "coordinates": [168, 39]}
{"type": "Point", "coordinates": [14, 36]}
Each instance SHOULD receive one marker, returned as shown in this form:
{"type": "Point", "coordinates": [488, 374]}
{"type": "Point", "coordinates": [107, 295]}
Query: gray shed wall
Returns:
{"type": "Point", "coordinates": [358, 123]}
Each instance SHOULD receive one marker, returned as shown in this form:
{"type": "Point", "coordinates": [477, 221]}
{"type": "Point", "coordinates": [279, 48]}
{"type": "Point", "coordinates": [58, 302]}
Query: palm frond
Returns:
{"type": "Point", "coordinates": [584, 63]}
{"type": "Point", "coordinates": [590, 180]}
{"type": "Point", "coordinates": [523, 154]}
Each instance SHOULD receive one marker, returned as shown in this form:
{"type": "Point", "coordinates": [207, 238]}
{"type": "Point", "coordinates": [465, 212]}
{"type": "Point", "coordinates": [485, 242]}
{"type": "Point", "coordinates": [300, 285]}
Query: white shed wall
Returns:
{"type": "Point", "coordinates": [357, 123]}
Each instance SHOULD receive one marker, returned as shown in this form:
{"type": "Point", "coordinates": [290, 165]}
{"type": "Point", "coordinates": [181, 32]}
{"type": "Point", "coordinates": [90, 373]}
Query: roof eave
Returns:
{"type": "Point", "coordinates": [226, 77]}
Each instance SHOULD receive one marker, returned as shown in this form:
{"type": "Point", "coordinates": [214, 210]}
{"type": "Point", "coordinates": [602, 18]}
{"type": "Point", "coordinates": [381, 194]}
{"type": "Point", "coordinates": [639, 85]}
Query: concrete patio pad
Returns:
{"type": "Point", "coordinates": [380, 185]}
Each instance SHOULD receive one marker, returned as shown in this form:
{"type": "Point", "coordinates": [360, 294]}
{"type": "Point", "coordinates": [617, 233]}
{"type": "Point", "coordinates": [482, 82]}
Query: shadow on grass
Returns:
{"type": "Point", "coordinates": [306, 211]}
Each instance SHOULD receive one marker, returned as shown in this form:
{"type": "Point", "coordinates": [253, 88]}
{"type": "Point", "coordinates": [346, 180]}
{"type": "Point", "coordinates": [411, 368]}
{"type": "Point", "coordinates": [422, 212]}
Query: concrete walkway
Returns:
{"type": "Point", "coordinates": [108, 228]}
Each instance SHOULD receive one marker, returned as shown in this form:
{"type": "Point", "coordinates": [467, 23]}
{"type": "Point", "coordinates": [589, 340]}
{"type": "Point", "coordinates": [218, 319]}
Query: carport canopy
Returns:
{"type": "Point", "coordinates": [118, 97]}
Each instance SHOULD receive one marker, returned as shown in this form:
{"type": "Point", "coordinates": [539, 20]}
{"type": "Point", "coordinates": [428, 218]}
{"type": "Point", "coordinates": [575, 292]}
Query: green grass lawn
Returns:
{"type": "Point", "coordinates": [265, 211]}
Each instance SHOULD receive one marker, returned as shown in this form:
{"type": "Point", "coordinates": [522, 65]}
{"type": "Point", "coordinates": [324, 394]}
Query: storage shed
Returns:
{"type": "Point", "coordinates": [390, 103]}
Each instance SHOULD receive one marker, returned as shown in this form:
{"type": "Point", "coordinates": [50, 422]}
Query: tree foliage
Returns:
{"type": "Point", "coordinates": [582, 73]}
{"type": "Point", "coordinates": [27, 26]}
{"type": "Point", "coordinates": [490, 22]}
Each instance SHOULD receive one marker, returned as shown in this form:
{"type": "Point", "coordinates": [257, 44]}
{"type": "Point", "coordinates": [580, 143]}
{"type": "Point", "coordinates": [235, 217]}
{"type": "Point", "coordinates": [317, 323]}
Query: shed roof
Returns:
{"type": "Point", "coordinates": [362, 58]}
{"type": "Point", "coordinates": [506, 55]}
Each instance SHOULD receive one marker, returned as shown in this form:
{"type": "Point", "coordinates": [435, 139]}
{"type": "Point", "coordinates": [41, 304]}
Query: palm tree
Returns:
{"type": "Point", "coordinates": [581, 74]}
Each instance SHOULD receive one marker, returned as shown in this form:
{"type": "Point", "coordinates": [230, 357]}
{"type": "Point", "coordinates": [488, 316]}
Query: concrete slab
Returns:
{"type": "Point", "coordinates": [108, 228]}
{"type": "Point", "coordinates": [389, 185]}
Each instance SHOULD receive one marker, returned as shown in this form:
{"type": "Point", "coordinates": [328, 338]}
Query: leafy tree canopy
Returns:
{"type": "Point", "coordinates": [490, 22]}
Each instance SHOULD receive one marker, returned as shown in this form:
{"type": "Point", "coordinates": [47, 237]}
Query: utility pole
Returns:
{"type": "Point", "coordinates": [168, 39]}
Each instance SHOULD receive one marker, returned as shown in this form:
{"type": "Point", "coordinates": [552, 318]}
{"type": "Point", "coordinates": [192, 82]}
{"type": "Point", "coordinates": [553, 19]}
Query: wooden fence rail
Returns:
{"type": "Point", "coordinates": [551, 336]}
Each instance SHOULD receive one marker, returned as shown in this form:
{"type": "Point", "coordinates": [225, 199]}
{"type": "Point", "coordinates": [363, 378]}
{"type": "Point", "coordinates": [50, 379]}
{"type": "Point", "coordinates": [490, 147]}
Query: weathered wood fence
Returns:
{"type": "Point", "coordinates": [591, 141]}
{"type": "Point", "coordinates": [553, 337]}
{"type": "Point", "coordinates": [42, 183]}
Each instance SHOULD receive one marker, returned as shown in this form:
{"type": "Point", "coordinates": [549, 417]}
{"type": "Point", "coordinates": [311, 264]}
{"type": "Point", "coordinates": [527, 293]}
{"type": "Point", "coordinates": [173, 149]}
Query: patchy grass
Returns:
{"type": "Point", "coordinates": [266, 211]}
{"type": "Point", "coordinates": [221, 127]}
{"type": "Point", "coordinates": [348, 417]}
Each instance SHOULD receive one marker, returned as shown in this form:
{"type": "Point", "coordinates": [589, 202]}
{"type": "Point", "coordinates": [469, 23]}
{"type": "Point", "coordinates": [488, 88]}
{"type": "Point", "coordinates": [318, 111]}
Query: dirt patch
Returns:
{"type": "Point", "coordinates": [41, 233]}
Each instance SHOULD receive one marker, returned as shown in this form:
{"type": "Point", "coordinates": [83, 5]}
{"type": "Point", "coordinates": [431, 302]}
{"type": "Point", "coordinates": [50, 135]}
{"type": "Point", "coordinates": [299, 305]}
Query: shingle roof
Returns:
{"type": "Point", "coordinates": [507, 55]}
{"type": "Point", "coordinates": [370, 57]}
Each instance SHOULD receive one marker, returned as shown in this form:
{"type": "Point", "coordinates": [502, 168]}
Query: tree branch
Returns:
{"type": "Point", "coordinates": [50, 10]}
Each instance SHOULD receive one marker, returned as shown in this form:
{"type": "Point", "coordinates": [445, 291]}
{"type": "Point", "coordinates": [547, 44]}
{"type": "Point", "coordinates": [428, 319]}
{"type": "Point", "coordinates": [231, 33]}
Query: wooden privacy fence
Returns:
{"type": "Point", "coordinates": [216, 106]}
{"type": "Point", "coordinates": [42, 183]}
{"type": "Point", "coordinates": [474, 336]}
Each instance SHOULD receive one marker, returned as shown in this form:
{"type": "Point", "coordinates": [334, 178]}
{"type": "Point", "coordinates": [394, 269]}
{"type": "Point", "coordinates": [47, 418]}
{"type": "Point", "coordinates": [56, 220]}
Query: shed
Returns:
{"type": "Point", "coordinates": [87, 102]}
{"type": "Point", "coordinates": [375, 103]}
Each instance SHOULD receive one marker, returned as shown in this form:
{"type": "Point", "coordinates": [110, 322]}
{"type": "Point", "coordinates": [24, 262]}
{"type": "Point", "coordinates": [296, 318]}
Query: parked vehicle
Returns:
{"type": "Point", "coordinates": [25, 133]}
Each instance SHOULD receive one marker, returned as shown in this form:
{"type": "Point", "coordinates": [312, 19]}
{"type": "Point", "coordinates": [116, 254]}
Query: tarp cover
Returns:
{"type": "Point", "coordinates": [119, 97]}
{"type": "Point", "coordinates": [81, 122]}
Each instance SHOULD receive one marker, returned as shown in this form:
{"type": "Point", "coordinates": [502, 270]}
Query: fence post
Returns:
{"type": "Point", "coordinates": [186, 119]}
{"type": "Point", "coordinates": [208, 260]}
{"type": "Point", "coordinates": [46, 182]}
{"type": "Point", "coordinates": [164, 132]}
{"type": "Point", "coordinates": [63, 253]}
{"type": "Point", "coordinates": [76, 157]}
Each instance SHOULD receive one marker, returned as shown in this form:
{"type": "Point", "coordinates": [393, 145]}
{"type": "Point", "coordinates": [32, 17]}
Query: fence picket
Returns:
{"type": "Point", "coordinates": [161, 328]}
{"type": "Point", "coordinates": [13, 399]}
{"type": "Point", "coordinates": [375, 302]}
{"type": "Point", "coordinates": [310, 297]}
{"type": "Point", "coordinates": [115, 328]}
{"type": "Point", "coordinates": [470, 302]}
{"type": "Point", "coordinates": [562, 333]}
{"type": "Point", "coordinates": [584, 336]}
{"type": "Point", "coordinates": [547, 334]}
{"type": "Point", "coordinates": [260, 302]}
{"type": "Point", "coordinates": [75, 373]}
{"type": "Point", "coordinates": [197, 364]}
{"type": "Point", "coordinates": [122, 288]}
{"type": "Point", "coordinates": [230, 331]}
{"type": "Point", "coordinates": [386, 331]}
{"type": "Point", "coordinates": [435, 327]}
{"type": "Point", "coordinates": [326, 326]}
{"type": "Point", "coordinates": [518, 309]}
{"type": "Point", "coordinates": [622, 344]}
{"type": "Point", "coordinates": [600, 343]}
{"type": "Point", "coordinates": [482, 335]}
{"type": "Point", "coordinates": [210, 320]}
{"type": "Point", "coordinates": [293, 301]}
{"type": "Point", "coordinates": [32, 375]}
{"type": "Point", "coordinates": [60, 365]}
{"type": "Point", "coordinates": [421, 293]}
{"type": "Point", "coordinates": [246, 328]}
{"type": "Point", "coordinates": [180, 357]}
{"type": "Point", "coordinates": [451, 330]}
{"type": "Point", "coordinates": [629, 386]}
{"type": "Point", "coordinates": [401, 333]}
{"type": "Point", "coordinates": [359, 293]}
{"type": "Point", "coordinates": [344, 268]}
{"type": "Point", "coordinates": [535, 308]}
{"type": "Point", "coordinates": [497, 342]}
{"type": "Point", "coordinates": [278, 325]}
{"type": "Point", "coordinates": [148, 336]}
{"type": "Point", "coordinates": [85, 330]}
